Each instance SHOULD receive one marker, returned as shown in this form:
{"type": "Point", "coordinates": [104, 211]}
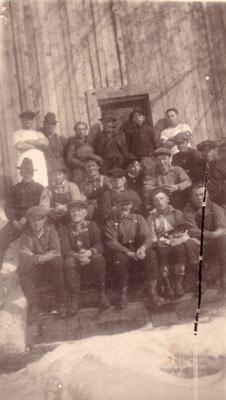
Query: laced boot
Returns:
{"type": "Point", "coordinates": [73, 305]}
{"type": "Point", "coordinates": [168, 288]}
{"type": "Point", "coordinates": [154, 298]}
{"type": "Point", "coordinates": [104, 302]}
{"type": "Point", "coordinates": [124, 298]}
{"type": "Point", "coordinates": [32, 313]}
{"type": "Point", "coordinates": [179, 288]}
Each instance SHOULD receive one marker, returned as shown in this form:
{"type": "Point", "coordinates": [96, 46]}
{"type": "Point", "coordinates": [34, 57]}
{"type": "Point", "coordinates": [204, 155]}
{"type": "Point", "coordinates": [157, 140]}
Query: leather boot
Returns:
{"type": "Point", "coordinates": [62, 311]}
{"type": "Point", "coordinates": [124, 298]}
{"type": "Point", "coordinates": [179, 289]}
{"type": "Point", "coordinates": [168, 288]}
{"type": "Point", "coordinates": [32, 313]}
{"type": "Point", "coordinates": [73, 305]}
{"type": "Point", "coordinates": [154, 298]}
{"type": "Point", "coordinates": [104, 302]}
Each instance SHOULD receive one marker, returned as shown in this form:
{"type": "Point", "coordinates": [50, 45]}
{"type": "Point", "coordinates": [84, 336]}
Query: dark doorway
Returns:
{"type": "Point", "coordinates": [121, 107]}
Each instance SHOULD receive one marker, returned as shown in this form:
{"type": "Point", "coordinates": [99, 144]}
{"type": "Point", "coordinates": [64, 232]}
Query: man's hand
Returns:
{"type": "Point", "coordinates": [17, 225]}
{"type": "Point", "coordinates": [49, 256]}
{"type": "Point", "coordinates": [218, 233]}
{"type": "Point", "coordinates": [132, 254]}
{"type": "Point", "coordinates": [171, 188]}
{"type": "Point", "coordinates": [141, 253]}
{"type": "Point", "coordinates": [23, 221]}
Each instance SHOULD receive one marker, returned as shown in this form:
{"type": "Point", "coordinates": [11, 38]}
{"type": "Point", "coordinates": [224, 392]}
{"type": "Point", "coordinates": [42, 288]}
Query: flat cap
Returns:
{"type": "Point", "coordinates": [77, 204]}
{"type": "Point", "coordinates": [56, 165]}
{"type": "Point", "coordinates": [130, 158]}
{"type": "Point", "coordinates": [182, 136]}
{"type": "Point", "coordinates": [36, 210]}
{"type": "Point", "coordinates": [160, 190]}
{"type": "Point", "coordinates": [206, 143]}
{"type": "Point", "coordinates": [116, 173]}
{"type": "Point", "coordinates": [94, 157]}
{"type": "Point", "coordinates": [107, 117]}
{"type": "Point", "coordinates": [136, 110]}
{"type": "Point", "coordinates": [123, 198]}
{"type": "Point", "coordinates": [27, 114]}
{"type": "Point", "coordinates": [162, 151]}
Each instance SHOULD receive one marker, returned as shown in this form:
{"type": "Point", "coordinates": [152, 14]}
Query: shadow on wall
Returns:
{"type": "Point", "coordinates": [5, 185]}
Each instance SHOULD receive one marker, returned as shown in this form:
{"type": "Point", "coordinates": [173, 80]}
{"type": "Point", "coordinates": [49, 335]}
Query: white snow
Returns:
{"type": "Point", "coordinates": [128, 366]}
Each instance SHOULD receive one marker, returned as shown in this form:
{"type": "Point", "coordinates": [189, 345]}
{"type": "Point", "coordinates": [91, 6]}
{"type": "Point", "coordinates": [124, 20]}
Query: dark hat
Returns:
{"type": "Point", "coordinates": [136, 110]}
{"type": "Point", "coordinates": [182, 136]}
{"type": "Point", "coordinates": [107, 117]}
{"type": "Point", "coordinates": [162, 151]}
{"type": "Point", "coordinates": [130, 158]}
{"type": "Point", "coordinates": [116, 173]}
{"type": "Point", "coordinates": [206, 143]}
{"type": "Point", "coordinates": [123, 198]}
{"type": "Point", "coordinates": [36, 210]}
{"type": "Point", "coordinates": [94, 157]}
{"type": "Point", "coordinates": [27, 164]}
{"type": "Point", "coordinates": [50, 118]}
{"type": "Point", "coordinates": [77, 203]}
{"type": "Point", "coordinates": [57, 165]}
{"type": "Point", "coordinates": [27, 114]}
{"type": "Point", "coordinates": [159, 190]}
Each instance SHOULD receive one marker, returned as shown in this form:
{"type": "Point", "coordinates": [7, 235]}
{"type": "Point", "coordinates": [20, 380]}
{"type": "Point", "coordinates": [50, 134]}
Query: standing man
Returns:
{"type": "Point", "coordinates": [128, 239]}
{"type": "Point", "coordinates": [22, 196]}
{"type": "Point", "coordinates": [110, 145]}
{"type": "Point", "coordinates": [81, 246]}
{"type": "Point", "coordinates": [174, 179]}
{"type": "Point", "coordinates": [40, 260]}
{"type": "Point", "coordinates": [55, 150]}
{"type": "Point", "coordinates": [167, 136]}
{"type": "Point", "coordinates": [30, 143]}
{"type": "Point", "coordinates": [214, 233]}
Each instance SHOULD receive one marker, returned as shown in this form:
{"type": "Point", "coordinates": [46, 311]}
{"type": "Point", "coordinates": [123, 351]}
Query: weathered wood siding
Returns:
{"type": "Point", "coordinates": [54, 53]}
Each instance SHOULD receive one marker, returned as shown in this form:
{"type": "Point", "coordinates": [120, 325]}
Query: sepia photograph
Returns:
{"type": "Point", "coordinates": [112, 200]}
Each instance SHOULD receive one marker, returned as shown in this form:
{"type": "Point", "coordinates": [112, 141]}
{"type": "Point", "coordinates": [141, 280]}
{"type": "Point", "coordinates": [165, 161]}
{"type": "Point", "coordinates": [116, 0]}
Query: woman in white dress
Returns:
{"type": "Point", "coordinates": [31, 144]}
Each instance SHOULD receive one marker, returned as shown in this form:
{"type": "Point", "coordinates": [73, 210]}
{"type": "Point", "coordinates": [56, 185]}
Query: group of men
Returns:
{"type": "Point", "coordinates": [122, 199]}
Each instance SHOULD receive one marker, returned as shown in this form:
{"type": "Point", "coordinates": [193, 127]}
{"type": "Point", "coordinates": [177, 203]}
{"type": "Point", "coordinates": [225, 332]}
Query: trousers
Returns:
{"type": "Point", "coordinates": [171, 259]}
{"type": "Point", "coordinates": [7, 235]}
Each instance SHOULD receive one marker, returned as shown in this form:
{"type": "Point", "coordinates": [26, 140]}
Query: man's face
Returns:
{"type": "Point", "coordinates": [81, 131]}
{"type": "Point", "coordinates": [37, 222]}
{"type": "Point", "coordinates": [182, 145]}
{"type": "Point", "coordinates": [26, 122]}
{"type": "Point", "coordinates": [138, 118]}
{"type": "Point", "coordinates": [49, 128]}
{"type": "Point", "coordinates": [172, 118]}
{"type": "Point", "coordinates": [134, 168]}
{"type": "Point", "coordinates": [78, 214]}
{"type": "Point", "coordinates": [208, 153]}
{"type": "Point", "coordinates": [57, 177]}
{"type": "Point", "coordinates": [109, 127]}
{"type": "Point", "coordinates": [161, 201]}
{"type": "Point", "coordinates": [163, 162]}
{"type": "Point", "coordinates": [26, 174]}
{"type": "Point", "coordinates": [197, 196]}
{"type": "Point", "coordinates": [92, 168]}
{"type": "Point", "coordinates": [118, 183]}
{"type": "Point", "coordinates": [124, 209]}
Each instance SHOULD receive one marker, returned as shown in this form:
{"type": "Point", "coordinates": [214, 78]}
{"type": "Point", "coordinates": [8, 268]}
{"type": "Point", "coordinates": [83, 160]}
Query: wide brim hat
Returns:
{"type": "Point", "coordinates": [94, 157]}
{"type": "Point", "coordinates": [162, 151]}
{"type": "Point", "coordinates": [77, 204]}
{"type": "Point", "coordinates": [206, 143]}
{"type": "Point", "coordinates": [36, 210]}
{"type": "Point", "coordinates": [50, 118]}
{"type": "Point", "coordinates": [56, 165]}
{"type": "Point", "coordinates": [116, 173]}
{"type": "Point", "coordinates": [27, 164]}
{"type": "Point", "coordinates": [27, 114]}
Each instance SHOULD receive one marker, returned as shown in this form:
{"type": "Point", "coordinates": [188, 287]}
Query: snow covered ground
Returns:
{"type": "Point", "coordinates": [140, 365]}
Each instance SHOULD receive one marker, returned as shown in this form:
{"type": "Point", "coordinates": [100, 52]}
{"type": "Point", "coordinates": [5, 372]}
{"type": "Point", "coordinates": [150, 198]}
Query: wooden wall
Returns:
{"type": "Point", "coordinates": [57, 54]}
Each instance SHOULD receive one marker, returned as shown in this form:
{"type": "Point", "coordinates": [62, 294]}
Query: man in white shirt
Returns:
{"type": "Point", "coordinates": [167, 135]}
{"type": "Point", "coordinates": [30, 144]}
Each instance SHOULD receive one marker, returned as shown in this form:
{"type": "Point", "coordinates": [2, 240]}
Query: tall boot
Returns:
{"type": "Point", "coordinates": [154, 298]}
{"type": "Point", "coordinates": [167, 286]}
{"type": "Point", "coordinates": [124, 298]}
{"type": "Point", "coordinates": [179, 289]}
{"type": "Point", "coordinates": [73, 305]}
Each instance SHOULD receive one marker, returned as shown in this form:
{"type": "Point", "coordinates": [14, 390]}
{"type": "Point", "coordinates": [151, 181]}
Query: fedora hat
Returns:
{"type": "Point", "coordinates": [50, 118]}
{"type": "Point", "coordinates": [27, 164]}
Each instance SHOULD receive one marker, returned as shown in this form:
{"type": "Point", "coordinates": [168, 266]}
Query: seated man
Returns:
{"type": "Point", "coordinates": [81, 245]}
{"type": "Point", "coordinates": [128, 239]}
{"type": "Point", "coordinates": [95, 185]}
{"type": "Point", "coordinates": [188, 158]}
{"type": "Point", "coordinates": [22, 196]}
{"type": "Point", "coordinates": [214, 232]}
{"type": "Point", "coordinates": [172, 178]}
{"type": "Point", "coordinates": [118, 190]}
{"type": "Point", "coordinates": [174, 127]}
{"type": "Point", "coordinates": [110, 145]}
{"type": "Point", "coordinates": [134, 175]}
{"type": "Point", "coordinates": [167, 229]}
{"type": "Point", "coordinates": [58, 194]}
{"type": "Point", "coordinates": [40, 260]}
